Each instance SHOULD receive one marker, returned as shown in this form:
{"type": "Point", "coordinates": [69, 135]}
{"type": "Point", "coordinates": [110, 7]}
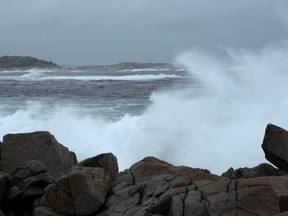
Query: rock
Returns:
{"type": "Point", "coordinates": [4, 182]}
{"type": "Point", "coordinates": [257, 197]}
{"type": "Point", "coordinates": [41, 146]}
{"type": "Point", "coordinates": [82, 191]}
{"type": "Point", "coordinates": [261, 170]}
{"type": "Point", "coordinates": [106, 161]}
{"type": "Point", "coordinates": [0, 149]}
{"type": "Point", "coordinates": [24, 62]}
{"type": "Point", "coordinates": [27, 184]}
{"type": "Point", "coordinates": [1, 213]}
{"type": "Point", "coordinates": [275, 146]}
{"type": "Point", "coordinates": [44, 211]}
{"type": "Point", "coordinates": [154, 187]}
{"type": "Point", "coordinates": [282, 214]}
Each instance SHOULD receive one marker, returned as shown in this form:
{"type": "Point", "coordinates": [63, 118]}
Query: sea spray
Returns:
{"type": "Point", "coordinates": [220, 121]}
{"type": "Point", "coordinates": [215, 122]}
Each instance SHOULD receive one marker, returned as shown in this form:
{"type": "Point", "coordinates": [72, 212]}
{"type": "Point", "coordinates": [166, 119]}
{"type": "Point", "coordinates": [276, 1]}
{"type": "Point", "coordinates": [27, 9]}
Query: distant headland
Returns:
{"type": "Point", "coordinates": [25, 62]}
{"type": "Point", "coordinates": [28, 62]}
{"type": "Point", "coordinates": [130, 66]}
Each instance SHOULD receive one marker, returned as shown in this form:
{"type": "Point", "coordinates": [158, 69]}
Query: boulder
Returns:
{"type": "Point", "coordinates": [107, 161]}
{"type": "Point", "coordinates": [41, 146]}
{"type": "Point", "coordinates": [155, 187]}
{"type": "Point", "coordinates": [27, 184]}
{"type": "Point", "coordinates": [82, 191]}
{"type": "Point", "coordinates": [275, 146]}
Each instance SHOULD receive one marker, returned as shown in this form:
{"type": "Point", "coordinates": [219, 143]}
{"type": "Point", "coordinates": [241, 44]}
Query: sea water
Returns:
{"type": "Point", "coordinates": [210, 115]}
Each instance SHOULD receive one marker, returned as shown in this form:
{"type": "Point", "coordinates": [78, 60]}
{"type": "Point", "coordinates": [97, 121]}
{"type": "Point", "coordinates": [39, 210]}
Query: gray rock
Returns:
{"type": "Point", "coordinates": [154, 187]}
{"type": "Point", "coordinates": [1, 213]}
{"type": "Point", "coordinates": [4, 182]}
{"type": "Point", "coordinates": [81, 192]}
{"type": "Point", "coordinates": [27, 184]}
{"type": "Point", "coordinates": [261, 170]}
{"type": "Point", "coordinates": [44, 211]}
{"type": "Point", "coordinates": [41, 146]}
{"type": "Point", "coordinates": [107, 161]}
{"type": "Point", "coordinates": [275, 146]}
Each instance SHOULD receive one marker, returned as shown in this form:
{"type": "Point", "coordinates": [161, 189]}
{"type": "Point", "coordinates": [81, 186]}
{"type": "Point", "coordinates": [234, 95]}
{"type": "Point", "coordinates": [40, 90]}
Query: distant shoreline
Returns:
{"type": "Point", "coordinates": [27, 62]}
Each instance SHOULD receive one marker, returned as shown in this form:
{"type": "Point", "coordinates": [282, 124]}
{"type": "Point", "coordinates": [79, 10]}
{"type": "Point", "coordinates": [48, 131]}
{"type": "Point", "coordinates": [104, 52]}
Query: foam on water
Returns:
{"type": "Point", "coordinates": [216, 124]}
{"type": "Point", "coordinates": [135, 77]}
{"type": "Point", "coordinates": [43, 76]}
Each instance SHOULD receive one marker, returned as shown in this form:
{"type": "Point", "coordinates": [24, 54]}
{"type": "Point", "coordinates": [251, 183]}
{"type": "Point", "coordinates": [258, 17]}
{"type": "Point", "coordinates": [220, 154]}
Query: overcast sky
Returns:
{"type": "Point", "coordinates": [90, 32]}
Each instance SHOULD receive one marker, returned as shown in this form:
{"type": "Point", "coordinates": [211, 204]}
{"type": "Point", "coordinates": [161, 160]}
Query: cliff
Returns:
{"type": "Point", "coordinates": [24, 62]}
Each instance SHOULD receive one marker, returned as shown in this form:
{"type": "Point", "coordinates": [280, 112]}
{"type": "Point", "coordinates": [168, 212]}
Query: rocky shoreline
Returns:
{"type": "Point", "coordinates": [41, 177]}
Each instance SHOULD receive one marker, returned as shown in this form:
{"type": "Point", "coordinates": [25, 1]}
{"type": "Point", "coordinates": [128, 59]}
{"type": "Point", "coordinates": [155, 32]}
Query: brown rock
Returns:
{"type": "Point", "coordinates": [41, 146]}
{"type": "Point", "coordinates": [261, 170]}
{"type": "Point", "coordinates": [256, 197]}
{"type": "Point", "coordinates": [81, 192]}
{"type": "Point", "coordinates": [106, 161]}
{"type": "Point", "coordinates": [275, 146]}
{"type": "Point", "coordinates": [27, 184]}
{"type": "Point", "coordinates": [154, 187]}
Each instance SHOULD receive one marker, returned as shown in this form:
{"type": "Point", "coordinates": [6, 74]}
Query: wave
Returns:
{"type": "Point", "coordinates": [43, 76]}
{"type": "Point", "coordinates": [33, 70]}
{"type": "Point", "coordinates": [145, 69]}
{"type": "Point", "coordinates": [216, 124]}
{"type": "Point", "coordinates": [135, 77]}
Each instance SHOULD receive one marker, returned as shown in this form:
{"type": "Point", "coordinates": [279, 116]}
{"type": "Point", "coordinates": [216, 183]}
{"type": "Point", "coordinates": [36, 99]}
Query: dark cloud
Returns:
{"type": "Point", "coordinates": [104, 32]}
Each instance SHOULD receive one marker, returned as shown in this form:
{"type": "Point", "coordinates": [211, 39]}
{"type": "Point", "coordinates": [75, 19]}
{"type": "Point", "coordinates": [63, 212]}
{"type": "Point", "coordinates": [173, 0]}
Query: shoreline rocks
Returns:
{"type": "Point", "coordinates": [29, 186]}
{"type": "Point", "coordinates": [41, 146]}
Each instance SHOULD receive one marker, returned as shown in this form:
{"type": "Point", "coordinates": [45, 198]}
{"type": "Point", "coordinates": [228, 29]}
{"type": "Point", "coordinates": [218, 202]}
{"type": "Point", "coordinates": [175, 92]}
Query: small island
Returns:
{"type": "Point", "coordinates": [25, 62]}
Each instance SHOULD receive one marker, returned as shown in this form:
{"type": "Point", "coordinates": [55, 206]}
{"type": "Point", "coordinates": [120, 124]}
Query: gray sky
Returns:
{"type": "Point", "coordinates": [90, 32]}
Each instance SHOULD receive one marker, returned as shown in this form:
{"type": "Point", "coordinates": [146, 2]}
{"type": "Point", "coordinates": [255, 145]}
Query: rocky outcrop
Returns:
{"type": "Point", "coordinates": [24, 62]}
{"type": "Point", "coordinates": [80, 192]}
{"type": "Point", "coordinates": [275, 146]}
{"type": "Point", "coordinates": [154, 187]}
{"type": "Point", "coordinates": [261, 170]}
{"type": "Point", "coordinates": [106, 161]}
{"type": "Point", "coordinates": [84, 190]}
{"type": "Point", "coordinates": [149, 187]}
{"type": "Point", "coordinates": [26, 185]}
{"type": "Point", "coordinates": [41, 146]}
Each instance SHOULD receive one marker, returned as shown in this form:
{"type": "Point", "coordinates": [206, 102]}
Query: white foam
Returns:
{"type": "Point", "coordinates": [41, 76]}
{"type": "Point", "coordinates": [215, 125]}
{"type": "Point", "coordinates": [145, 69]}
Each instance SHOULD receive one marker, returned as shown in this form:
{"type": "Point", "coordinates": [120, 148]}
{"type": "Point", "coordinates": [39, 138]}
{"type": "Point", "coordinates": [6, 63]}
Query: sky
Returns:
{"type": "Point", "coordinates": [93, 32]}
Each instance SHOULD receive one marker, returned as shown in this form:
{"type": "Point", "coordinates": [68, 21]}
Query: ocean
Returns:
{"type": "Point", "coordinates": [212, 114]}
